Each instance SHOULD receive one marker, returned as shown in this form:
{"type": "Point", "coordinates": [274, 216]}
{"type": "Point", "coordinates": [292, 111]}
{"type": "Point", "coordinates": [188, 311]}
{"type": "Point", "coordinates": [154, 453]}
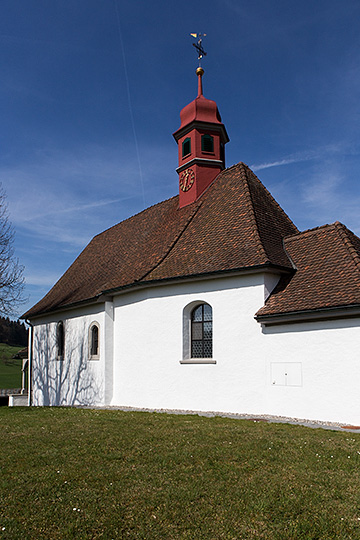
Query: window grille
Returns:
{"type": "Point", "coordinates": [60, 340]}
{"type": "Point", "coordinates": [201, 332]}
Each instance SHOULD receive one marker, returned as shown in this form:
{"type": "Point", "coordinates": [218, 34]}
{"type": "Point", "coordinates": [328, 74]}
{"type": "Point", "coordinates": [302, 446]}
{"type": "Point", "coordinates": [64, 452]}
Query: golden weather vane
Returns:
{"type": "Point", "coordinates": [198, 46]}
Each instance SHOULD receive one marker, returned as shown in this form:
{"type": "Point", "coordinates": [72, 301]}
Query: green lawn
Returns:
{"type": "Point", "coordinates": [10, 369]}
{"type": "Point", "coordinates": [97, 474]}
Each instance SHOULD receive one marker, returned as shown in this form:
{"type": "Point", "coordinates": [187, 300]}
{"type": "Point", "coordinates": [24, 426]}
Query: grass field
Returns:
{"type": "Point", "coordinates": [97, 474]}
{"type": "Point", "coordinates": [10, 369]}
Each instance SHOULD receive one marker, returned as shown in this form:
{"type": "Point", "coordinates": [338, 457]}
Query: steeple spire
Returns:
{"type": "Point", "coordinates": [201, 138]}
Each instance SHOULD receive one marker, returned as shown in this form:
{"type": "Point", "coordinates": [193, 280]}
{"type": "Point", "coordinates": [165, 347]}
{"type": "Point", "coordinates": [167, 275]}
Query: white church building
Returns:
{"type": "Point", "coordinates": [212, 300]}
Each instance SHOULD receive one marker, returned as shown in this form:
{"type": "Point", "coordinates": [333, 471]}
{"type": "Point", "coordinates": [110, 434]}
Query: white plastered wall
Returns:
{"type": "Point", "coordinates": [320, 359]}
{"type": "Point", "coordinates": [148, 348]}
{"type": "Point", "coordinates": [308, 370]}
{"type": "Point", "coordinates": [75, 380]}
{"type": "Point", "coordinates": [327, 355]}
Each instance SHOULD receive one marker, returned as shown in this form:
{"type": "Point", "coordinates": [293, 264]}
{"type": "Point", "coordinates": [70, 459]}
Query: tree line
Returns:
{"type": "Point", "coordinates": [13, 332]}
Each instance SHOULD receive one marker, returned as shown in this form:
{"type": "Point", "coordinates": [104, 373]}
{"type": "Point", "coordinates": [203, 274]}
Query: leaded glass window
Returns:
{"type": "Point", "coordinates": [94, 350]}
{"type": "Point", "coordinates": [94, 341]}
{"type": "Point", "coordinates": [60, 340]}
{"type": "Point", "coordinates": [201, 332]}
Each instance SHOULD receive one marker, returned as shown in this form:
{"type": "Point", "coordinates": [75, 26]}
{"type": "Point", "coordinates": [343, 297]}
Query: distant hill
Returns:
{"type": "Point", "coordinates": [13, 332]}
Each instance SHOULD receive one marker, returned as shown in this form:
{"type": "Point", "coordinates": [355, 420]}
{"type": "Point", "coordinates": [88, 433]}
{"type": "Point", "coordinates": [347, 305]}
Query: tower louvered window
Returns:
{"type": "Point", "coordinates": [207, 143]}
{"type": "Point", "coordinates": [186, 147]}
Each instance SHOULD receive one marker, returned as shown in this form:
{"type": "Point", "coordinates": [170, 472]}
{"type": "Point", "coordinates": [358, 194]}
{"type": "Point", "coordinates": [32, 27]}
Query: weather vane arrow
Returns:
{"type": "Point", "coordinates": [198, 46]}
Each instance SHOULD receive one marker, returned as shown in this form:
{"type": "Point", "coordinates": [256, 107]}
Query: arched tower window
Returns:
{"type": "Point", "coordinates": [94, 346]}
{"type": "Point", "coordinates": [186, 147]}
{"type": "Point", "coordinates": [60, 340]}
{"type": "Point", "coordinates": [207, 143]}
{"type": "Point", "coordinates": [201, 331]}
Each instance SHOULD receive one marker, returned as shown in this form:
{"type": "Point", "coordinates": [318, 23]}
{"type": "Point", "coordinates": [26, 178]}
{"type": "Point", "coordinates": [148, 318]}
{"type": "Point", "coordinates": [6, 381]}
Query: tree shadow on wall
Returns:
{"type": "Point", "coordinates": [71, 381]}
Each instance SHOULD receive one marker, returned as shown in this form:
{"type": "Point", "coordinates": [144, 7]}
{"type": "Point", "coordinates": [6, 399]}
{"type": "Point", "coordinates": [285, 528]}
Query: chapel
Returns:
{"type": "Point", "coordinates": [212, 300]}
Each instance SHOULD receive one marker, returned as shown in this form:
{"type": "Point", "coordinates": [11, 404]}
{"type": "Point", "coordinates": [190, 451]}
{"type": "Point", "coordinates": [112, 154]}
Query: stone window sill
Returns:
{"type": "Point", "coordinates": [198, 361]}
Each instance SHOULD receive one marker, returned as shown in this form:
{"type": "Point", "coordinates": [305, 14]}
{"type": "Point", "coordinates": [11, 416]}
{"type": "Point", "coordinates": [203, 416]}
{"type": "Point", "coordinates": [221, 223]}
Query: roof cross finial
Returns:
{"type": "Point", "coordinates": [198, 46]}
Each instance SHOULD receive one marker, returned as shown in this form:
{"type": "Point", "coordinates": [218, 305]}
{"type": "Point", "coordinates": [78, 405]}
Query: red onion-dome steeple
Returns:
{"type": "Point", "coordinates": [201, 138]}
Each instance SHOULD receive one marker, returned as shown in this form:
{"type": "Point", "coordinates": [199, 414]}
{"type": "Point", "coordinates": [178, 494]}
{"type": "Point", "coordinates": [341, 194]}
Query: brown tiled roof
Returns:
{"type": "Point", "coordinates": [238, 224]}
{"type": "Point", "coordinates": [235, 224]}
{"type": "Point", "coordinates": [327, 261]}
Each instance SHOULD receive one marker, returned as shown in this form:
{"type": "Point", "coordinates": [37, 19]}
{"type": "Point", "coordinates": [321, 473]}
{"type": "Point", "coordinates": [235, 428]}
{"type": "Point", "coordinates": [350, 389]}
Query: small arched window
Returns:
{"type": "Point", "coordinates": [201, 331]}
{"type": "Point", "coordinates": [186, 147]}
{"type": "Point", "coordinates": [60, 340]}
{"type": "Point", "coordinates": [94, 348]}
{"type": "Point", "coordinates": [207, 143]}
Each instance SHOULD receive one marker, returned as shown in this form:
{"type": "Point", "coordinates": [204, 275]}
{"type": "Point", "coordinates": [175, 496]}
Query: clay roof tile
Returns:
{"type": "Point", "coordinates": [327, 261]}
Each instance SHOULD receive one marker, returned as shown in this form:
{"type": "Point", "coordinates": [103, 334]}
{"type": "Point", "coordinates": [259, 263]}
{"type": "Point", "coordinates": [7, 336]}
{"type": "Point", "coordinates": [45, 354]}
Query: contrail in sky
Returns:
{"type": "Point", "coordinates": [129, 102]}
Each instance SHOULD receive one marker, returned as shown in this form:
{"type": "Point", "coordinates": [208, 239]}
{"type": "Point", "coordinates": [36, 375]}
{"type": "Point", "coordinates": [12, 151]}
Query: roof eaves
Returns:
{"type": "Point", "coordinates": [220, 127]}
{"type": "Point", "coordinates": [309, 315]}
{"type": "Point", "coordinates": [72, 305]}
{"type": "Point", "coordinates": [106, 294]}
{"type": "Point", "coordinates": [266, 267]}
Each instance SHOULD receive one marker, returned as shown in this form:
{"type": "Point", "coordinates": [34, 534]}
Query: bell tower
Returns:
{"type": "Point", "coordinates": [201, 140]}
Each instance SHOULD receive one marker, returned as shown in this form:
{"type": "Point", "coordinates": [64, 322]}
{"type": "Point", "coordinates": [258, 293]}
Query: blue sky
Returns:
{"type": "Point", "coordinates": [92, 90]}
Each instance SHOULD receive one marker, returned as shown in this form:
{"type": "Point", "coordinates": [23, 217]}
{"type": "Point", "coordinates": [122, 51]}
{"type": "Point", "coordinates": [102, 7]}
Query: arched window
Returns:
{"type": "Point", "coordinates": [60, 340]}
{"type": "Point", "coordinates": [201, 331]}
{"type": "Point", "coordinates": [186, 147]}
{"type": "Point", "coordinates": [94, 348]}
{"type": "Point", "coordinates": [207, 143]}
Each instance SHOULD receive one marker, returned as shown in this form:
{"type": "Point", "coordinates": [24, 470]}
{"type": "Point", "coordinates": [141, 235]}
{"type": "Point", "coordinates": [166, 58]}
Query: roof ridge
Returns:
{"type": "Point", "coordinates": [343, 232]}
{"type": "Point", "coordinates": [244, 175]}
{"type": "Point", "coordinates": [254, 214]}
{"type": "Point", "coordinates": [274, 201]}
{"type": "Point", "coordinates": [288, 255]}
{"type": "Point", "coordinates": [308, 232]}
{"type": "Point", "coordinates": [176, 239]}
